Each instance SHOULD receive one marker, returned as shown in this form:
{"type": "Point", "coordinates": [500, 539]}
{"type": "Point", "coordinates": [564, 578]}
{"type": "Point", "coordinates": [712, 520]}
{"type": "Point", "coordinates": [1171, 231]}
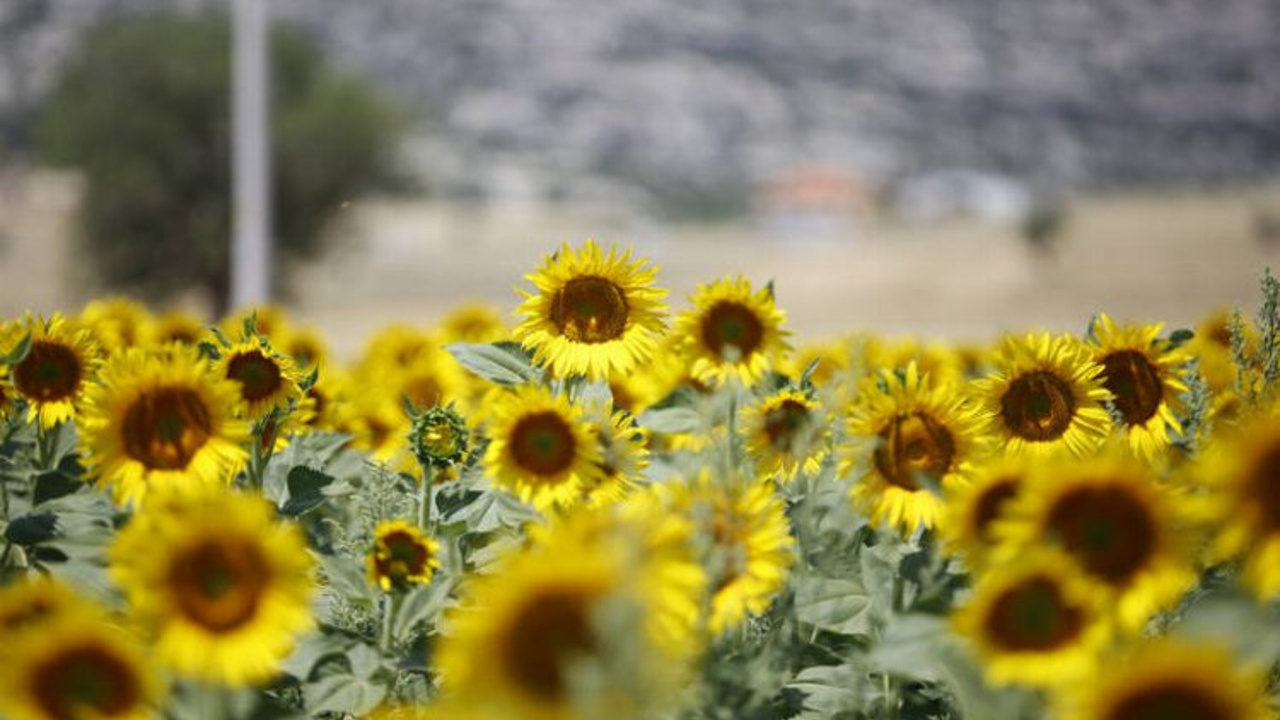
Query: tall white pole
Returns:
{"type": "Point", "coordinates": [251, 155]}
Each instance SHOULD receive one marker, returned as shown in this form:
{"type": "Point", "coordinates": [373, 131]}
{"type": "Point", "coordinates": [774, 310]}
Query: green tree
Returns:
{"type": "Point", "coordinates": [143, 108]}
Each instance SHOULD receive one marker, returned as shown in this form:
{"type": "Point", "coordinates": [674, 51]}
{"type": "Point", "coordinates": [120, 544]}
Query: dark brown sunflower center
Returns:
{"type": "Point", "coordinates": [1135, 383]}
{"type": "Point", "coordinates": [400, 556]}
{"type": "Point", "coordinates": [1038, 406]}
{"type": "Point", "coordinates": [1108, 530]}
{"type": "Point", "coordinates": [165, 428]}
{"type": "Point", "coordinates": [543, 443]}
{"type": "Point", "coordinates": [1033, 616]}
{"type": "Point", "coordinates": [1264, 487]}
{"type": "Point", "coordinates": [1170, 700]}
{"type": "Point", "coordinates": [50, 372]}
{"type": "Point", "coordinates": [912, 445]}
{"type": "Point", "coordinates": [732, 331]}
{"type": "Point", "coordinates": [86, 681]}
{"type": "Point", "coordinates": [991, 504]}
{"type": "Point", "coordinates": [259, 376]}
{"type": "Point", "coordinates": [590, 310]}
{"type": "Point", "coordinates": [219, 584]}
{"type": "Point", "coordinates": [544, 637]}
{"type": "Point", "coordinates": [785, 424]}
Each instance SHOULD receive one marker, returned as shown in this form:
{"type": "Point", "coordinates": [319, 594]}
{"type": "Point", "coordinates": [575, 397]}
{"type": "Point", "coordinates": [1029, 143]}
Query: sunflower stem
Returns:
{"type": "Point", "coordinates": [46, 444]}
{"type": "Point", "coordinates": [389, 605]}
{"type": "Point", "coordinates": [731, 429]}
{"type": "Point", "coordinates": [890, 688]}
{"type": "Point", "coordinates": [426, 493]}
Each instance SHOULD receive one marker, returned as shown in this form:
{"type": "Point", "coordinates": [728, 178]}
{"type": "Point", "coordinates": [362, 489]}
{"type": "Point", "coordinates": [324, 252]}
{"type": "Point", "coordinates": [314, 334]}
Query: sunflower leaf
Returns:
{"type": "Point", "coordinates": [1179, 337]}
{"type": "Point", "coordinates": [828, 689]}
{"type": "Point", "coordinates": [504, 363]}
{"type": "Point", "coordinates": [32, 529]}
{"type": "Point", "coordinates": [306, 488]}
{"type": "Point", "coordinates": [422, 603]}
{"type": "Point", "coordinates": [19, 351]}
{"type": "Point", "coordinates": [840, 605]}
{"type": "Point", "coordinates": [672, 420]}
{"type": "Point", "coordinates": [342, 694]}
{"type": "Point", "coordinates": [53, 485]}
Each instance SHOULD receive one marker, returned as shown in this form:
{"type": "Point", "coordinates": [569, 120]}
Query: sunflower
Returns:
{"type": "Point", "coordinates": [1034, 621]}
{"type": "Point", "coordinates": [623, 455]}
{"type": "Point", "coordinates": [177, 327]}
{"type": "Point", "coordinates": [401, 556]}
{"type": "Point", "coordinates": [541, 449]}
{"type": "Point", "coordinates": [748, 546]}
{"type": "Point", "coordinates": [267, 379]}
{"type": "Point", "coordinates": [160, 419]}
{"type": "Point", "coordinates": [1169, 678]}
{"type": "Point", "coordinates": [79, 667]}
{"type": "Point", "coordinates": [30, 604]}
{"type": "Point", "coordinates": [268, 321]}
{"type": "Point", "coordinates": [305, 346]}
{"type": "Point", "coordinates": [1144, 378]}
{"type": "Point", "coordinates": [973, 511]}
{"type": "Point", "coordinates": [1243, 475]}
{"type": "Point", "coordinates": [1116, 523]}
{"type": "Point", "coordinates": [732, 332]}
{"type": "Point", "coordinates": [909, 438]}
{"type": "Point", "coordinates": [786, 432]}
{"type": "Point", "coordinates": [473, 323]}
{"type": "Point", "coordinates": [1046, 393]}
{"type": "Point", "coordinates": [562, 630]}
{"type": "Point", "coordinates": [593, 314]}
{"type": "Point", "coordinates": [116, 323]}
{"type": "Point", "coordinates": [223, 586]}
{"type": "Point", "coordinates": [57, 369]}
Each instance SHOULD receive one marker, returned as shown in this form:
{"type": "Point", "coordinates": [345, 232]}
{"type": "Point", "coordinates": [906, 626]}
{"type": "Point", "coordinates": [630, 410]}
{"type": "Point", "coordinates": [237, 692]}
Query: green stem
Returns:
{"type": "Point", "coordinates": [46, 445]}
{"type": "Point", "coordinates": [389, 605]}
{"type": "Point", "coordinates": [731, 428]}
{"type": "Point", "coordinates": [890, 688]}
{"type": "Point", "coordinates": [426, 494]}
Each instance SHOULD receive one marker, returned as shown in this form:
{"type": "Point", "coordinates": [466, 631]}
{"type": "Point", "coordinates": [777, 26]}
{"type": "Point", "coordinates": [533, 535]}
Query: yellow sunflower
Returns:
{"type": "Point", "coordinates": [1034, 621]}
{"type": "Point", "coordinates": [1144, 378]}
{"type": "Point", "coordinates": [178, 327]}
{"type": "Point", "coordinates": [748, 548]}
{"type": "Point", "coordinates": [31, 603]}
{"type": "Point", "coordinates": [1115, 521]}
{"type": "Point", "coordinates": [7, 393]}
{"type": "Point", "coordinates": [473, 323]}
{"type": "Point", "coordinates": [592, 314]}
{"type": "Point", "coordinates": [401, 556]}
{"type": "Point", "coordinates": [57, 369]}
{"type": "Point", "coordinates": [306, 346]}
{"type": "Point", "coordinates": [786, 432]}
{"type": "Point", "coordinates": [541, 449]}
{"type": "Point", "coordinates": [623, 455]}
{"type": "Point", "coordinates": [732, 332]}
{"type": "Point", "coordinates": [1168, 678]}
{"type": "Point", "coordinates": [1243, 475]}
{"type": "Point", "coordinates": [161, 420]}
{"type": "Point", "coordinates": [972, 511]}
{"type": "Point", "coordinates": [266, 379]}
{"type": "Point", "coordinates": [562, 630]}
{"type": "Point", "coordinates": [116, 323]}
{"type": "Point", "coordinates": [80, 666]}
{"type": "Point", "coordinates": [909, 438]}
{"type": "Point", "coordinates": [1046, 393]}
{"type": "Point", "coordinates": [222, 585]}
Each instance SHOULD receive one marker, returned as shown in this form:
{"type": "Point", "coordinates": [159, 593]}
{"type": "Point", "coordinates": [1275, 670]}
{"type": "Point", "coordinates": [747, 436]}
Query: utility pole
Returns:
{"type": "Point", "coordinates": [250, 154]}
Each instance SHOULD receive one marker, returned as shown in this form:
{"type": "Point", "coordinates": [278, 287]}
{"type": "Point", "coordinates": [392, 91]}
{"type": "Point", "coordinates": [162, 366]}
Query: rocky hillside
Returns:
{"type": "Point", "coordinates": [700, 100]}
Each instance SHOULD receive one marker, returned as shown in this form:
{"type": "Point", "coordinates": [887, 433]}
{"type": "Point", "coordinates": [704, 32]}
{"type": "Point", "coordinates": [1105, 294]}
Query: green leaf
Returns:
{"type": "Point", "coordinates": [494, 509]}
{"type": "Point", "coordinates": [424, 602]}
{"type": "Point", "coordinates": [342, 694]}
{"type": "Point", "coordinates": [19, 351]}
{"type": "Point", "coordinates": [504, 363]}
{"type": "Point", "coordinates": [32, 529]}
{"type": "Point", "coordinates": [672, 420]}
{"type": "Point", "coordinates": [53, 485]}
{"type": "Point", "coordinates": [912, 647]}
{"type": "Point", "coordinates": [1180, 337]}
{"type": "Point", "coordinates": [346, 577]}
{"type": "Point", "coordinates": [828, 689]}
{"type": "Point", "coordinates": [365, 661]}
{"type": "Point", "coordinates": [305, 490]}
{"type": "Point", "coordinates": [838, 605]}
{"type": "Point", "coordinates": [314, 648]}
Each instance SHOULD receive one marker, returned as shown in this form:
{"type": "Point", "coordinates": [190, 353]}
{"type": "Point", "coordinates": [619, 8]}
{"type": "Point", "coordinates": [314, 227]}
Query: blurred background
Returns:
{"type": "Point", "coordinates": [948, 168]}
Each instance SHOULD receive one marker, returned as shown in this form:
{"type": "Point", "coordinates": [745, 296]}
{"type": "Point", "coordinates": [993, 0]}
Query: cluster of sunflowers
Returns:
{"type": "Point", "coordinates": [603, 513]}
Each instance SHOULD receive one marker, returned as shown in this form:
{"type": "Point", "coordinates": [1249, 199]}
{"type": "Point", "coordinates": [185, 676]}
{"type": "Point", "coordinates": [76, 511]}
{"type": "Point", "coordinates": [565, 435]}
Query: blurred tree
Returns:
{"type": "Point", "coordinates": [143, 108]}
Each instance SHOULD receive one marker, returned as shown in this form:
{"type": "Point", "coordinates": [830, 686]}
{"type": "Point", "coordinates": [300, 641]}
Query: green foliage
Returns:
{"type": "Point", "coordinates": [144, 110]}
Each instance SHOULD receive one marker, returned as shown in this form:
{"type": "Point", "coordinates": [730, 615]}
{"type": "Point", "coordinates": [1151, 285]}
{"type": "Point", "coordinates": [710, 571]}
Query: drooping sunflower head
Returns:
{"type": "Point", "coordinates": [401, 556]}
{"type": "Point", "coordinates": [973, 511]}
{"type": "Point", "coordinates": [267, 380]}
{"type": "Point", "coordinates": [732, 332]}
{"type": "Point", "coordinates": [747, 545]}
{"type": "Point", "coordinates": [592, 314]}
{"type": "Point", "coordinates": [161, 420]}
{"type": "Point", "coordinates": [909, 437]}
{"type": "Point", "coordinates": [1144, 377]}
{"type": "Point", "coordinates": [80, 666]}
{"type": "Point", "coordinates": [540, 637]}
{"type": "Point", "coordinates": [221, 585]}
{"type": "Point", "coordinates": [1116, 523]}
{"type": "Point", "coordinates": [1169, 678]}
{"type": "Point", "coordinates": [541, 449]}
{"type": "Point", "coordinates": [58, 367]}
{"type": "Point", "coordinates": [1045, 394]}
{"type": "Point", "coordinates": [786, 432]}
{"type": "Point", "coordinates": [1034, 621]}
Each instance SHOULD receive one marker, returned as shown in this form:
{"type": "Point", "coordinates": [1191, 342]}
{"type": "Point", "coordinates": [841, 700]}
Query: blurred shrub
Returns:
{"type": "Point", "coordinates": [143, 108]}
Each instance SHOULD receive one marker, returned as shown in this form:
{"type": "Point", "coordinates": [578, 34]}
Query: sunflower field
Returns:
{"type": "Point", "coordinates": [607, 512]}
